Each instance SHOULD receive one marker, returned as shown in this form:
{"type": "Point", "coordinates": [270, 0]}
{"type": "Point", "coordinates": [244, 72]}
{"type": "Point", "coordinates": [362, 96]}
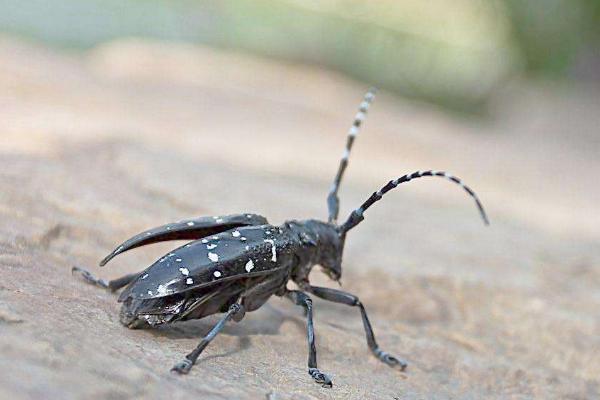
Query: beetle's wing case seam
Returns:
{"type": "Point", "coordinates": [165, 276]}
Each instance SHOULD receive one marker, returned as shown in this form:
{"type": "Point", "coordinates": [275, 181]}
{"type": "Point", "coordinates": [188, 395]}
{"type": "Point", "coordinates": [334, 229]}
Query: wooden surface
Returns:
{"type": "Point", "coordinates": [96, 147]}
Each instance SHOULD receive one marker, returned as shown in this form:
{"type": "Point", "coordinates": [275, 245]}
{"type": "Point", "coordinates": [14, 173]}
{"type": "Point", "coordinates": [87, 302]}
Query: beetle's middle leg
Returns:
{"type": "Point", "coordinates": [337, 296]}
{"type": "Point", "coordinates": [236, 311]}
{"type": "Point", "coordinates": [113, 285]}
{"type": "Point", "coordinates": [302, 299]}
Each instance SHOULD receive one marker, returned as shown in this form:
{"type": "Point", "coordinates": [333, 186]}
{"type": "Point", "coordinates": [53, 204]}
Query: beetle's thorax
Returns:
{"type": "Point", "coordinates": [321, 245]}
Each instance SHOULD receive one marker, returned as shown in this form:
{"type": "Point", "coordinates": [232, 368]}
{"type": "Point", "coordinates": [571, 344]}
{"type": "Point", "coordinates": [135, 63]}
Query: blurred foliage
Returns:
{"type": "Point", "coordinates": [452, 53]}
{"type": "Point", "coordinates": [409, 46]}
{"type": "Point", "coordinates": [550, 33]}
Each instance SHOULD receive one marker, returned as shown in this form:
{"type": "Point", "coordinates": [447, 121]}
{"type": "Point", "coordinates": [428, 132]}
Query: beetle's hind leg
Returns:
{"type": "Point", "coordinates": [235, 312]}
{"type": "Point", "coordinates": [302, 299]}
{"type": "Point", "coordinates": [337, 296]}
{"type": "Point", "coordinates": [113, 285]}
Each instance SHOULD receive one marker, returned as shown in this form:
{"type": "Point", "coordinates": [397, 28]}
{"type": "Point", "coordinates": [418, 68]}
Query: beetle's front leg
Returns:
{"type": "Point", "coordinates": [302, 299]}
{"type": "Point", "coordinates": [337, 296]}
{"type": "Point", "coordinates": [113, 285]}
{"type": "Point", "coordinates": [236, 311]}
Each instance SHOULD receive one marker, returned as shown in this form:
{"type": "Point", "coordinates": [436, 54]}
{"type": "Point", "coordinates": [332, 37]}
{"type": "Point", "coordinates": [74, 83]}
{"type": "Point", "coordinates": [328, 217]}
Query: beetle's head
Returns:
{"type": "Point", "coordinates": [331, 237]}
{"type": "Point", "coordinates": [328, 247]}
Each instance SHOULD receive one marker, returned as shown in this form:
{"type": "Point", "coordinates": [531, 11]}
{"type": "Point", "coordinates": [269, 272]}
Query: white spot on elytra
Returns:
{"type": "Point", "coordinates": [213, 257]}
{"type": "Point", "coordinates": [178, 260]}
{"type": "Point", "coordinates": [247, 247]}
{"type": "Point", "coordinates": [145, 276]}
{"type": "Point", "coordinates": [243, 239]}
{"type": "Point", "coordinates": [189, 281]}
{"type": "Point", "coordinates": [150, 292]}
{"type": "Point", "coordinates": [161, 289]}
{"type": "Point", "coordinates": [204, 241]}
{"type": "Point", "coordinates": [184, 271]}
{"type": "Point", "coordinates": [191, 223]}
{"type": "Point", "coordinates": [211, 246]}
{"type": "Point", "coordinates": [217, 274]}
{"type": "Point", "coordinates": [273, 249]}
{"type": "Point", "coordinates": [235, 233]}
{"type": "Point", "coordinates": [219, 220]}
{"type": "Point", "coordinates": [249, 266]}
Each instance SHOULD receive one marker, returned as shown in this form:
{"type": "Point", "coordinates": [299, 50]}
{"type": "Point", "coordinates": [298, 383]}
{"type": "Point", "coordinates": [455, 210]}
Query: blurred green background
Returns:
{"type": "Point", "coordinates": [453, 53]}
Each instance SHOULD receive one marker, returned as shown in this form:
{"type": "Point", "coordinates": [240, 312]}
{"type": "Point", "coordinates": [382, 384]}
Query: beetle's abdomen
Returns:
{"type": "Point", "coordinates": [137, 314]}
{"type": "Point", "coordinates": [200, 303]}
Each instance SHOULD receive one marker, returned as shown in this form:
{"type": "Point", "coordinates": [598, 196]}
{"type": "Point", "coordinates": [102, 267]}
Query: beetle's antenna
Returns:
{"type": "Point", "coordinates": [333, 202]}
{"type": "Point", "coordinates": [357, 215]}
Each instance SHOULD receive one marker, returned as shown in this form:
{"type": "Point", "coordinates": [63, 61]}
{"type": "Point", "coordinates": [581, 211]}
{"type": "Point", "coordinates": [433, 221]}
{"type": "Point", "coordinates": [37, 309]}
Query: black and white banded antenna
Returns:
{"type": "Point", "coordinates": [358, 215]}
{"type": "Point", "coordinates": [333, 201]}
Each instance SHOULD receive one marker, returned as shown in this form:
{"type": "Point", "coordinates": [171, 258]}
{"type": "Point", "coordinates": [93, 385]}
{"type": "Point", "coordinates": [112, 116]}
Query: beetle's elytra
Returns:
{"type": "Point", "coordinates": [235, 263]}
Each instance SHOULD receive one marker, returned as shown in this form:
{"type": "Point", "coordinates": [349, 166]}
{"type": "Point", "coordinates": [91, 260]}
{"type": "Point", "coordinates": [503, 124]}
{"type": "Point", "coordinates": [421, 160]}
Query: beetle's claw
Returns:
{"type": "Point", "coordinates": [391, 360]}
{"type": "Point", "coordinates": [89, 278]}
{"type": "Point", "coordinates": [321, 378]}
{"type": "Point", "coordinates": [183, 367]}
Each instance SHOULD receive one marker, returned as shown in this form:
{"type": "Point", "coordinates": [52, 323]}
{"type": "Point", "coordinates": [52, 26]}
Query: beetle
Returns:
{"type": "Point", "coordinates": [233, 264]}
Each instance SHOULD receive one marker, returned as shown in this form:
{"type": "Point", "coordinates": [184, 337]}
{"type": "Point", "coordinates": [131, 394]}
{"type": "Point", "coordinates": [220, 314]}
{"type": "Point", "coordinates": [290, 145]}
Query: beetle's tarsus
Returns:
{"type": "Point", "coordinates": [112, 285]}
{"type": "Point", "coordinates": [390, 360]}
{"type": "Point", "coordinates": [321, 378]}
{"type": "Point", "coordinates": [238, 312]}
{"type": "Point", "coordinates": [183, 367]}
{"type": "Point", "coordinates": [89, 278]}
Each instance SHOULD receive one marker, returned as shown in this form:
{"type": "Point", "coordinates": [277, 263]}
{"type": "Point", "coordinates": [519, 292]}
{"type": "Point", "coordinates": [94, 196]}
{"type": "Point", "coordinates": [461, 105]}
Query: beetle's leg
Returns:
{"type": "Point", "coordinates": [337, 296]}
{"type": "Point", "coordinates": [302, 299]}
{"type": "Point", "coordinates": [113, 285]}
{"type": "Point", "coordinates": [184, 366]}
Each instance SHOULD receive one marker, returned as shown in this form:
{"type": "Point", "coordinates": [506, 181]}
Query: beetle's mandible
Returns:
{"type": "Point", "coordinates": [233, 264]}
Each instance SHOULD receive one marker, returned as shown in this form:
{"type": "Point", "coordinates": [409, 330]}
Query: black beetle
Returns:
{"type": "Point", "coordinates": [235, 263]}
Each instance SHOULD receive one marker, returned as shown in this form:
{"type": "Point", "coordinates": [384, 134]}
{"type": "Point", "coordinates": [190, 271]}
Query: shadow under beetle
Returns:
{"type": "Point", "coordinates": [235, 263]}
